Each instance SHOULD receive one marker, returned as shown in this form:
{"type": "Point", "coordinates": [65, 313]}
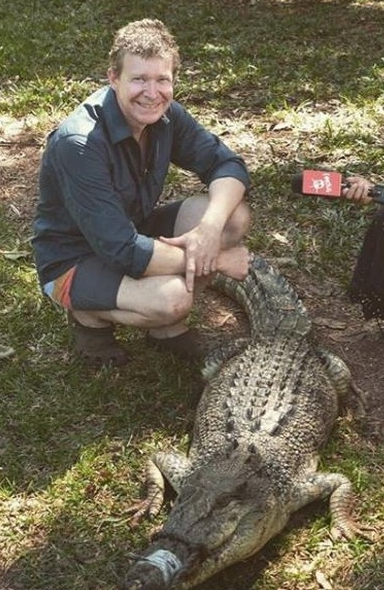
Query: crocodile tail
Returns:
{"type": "Point", "coordinates": [268, 299]}
{"type": "Point", "coordinates": [248, 295]}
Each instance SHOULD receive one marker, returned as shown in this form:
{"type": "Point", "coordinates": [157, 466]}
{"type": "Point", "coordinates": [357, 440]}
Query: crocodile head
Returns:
{"type": "Point", "coordinates": [226, 511]}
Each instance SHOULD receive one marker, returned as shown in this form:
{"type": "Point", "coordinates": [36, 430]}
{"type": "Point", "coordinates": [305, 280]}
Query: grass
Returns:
{"type": "Point", "coordinates": [289, 84]}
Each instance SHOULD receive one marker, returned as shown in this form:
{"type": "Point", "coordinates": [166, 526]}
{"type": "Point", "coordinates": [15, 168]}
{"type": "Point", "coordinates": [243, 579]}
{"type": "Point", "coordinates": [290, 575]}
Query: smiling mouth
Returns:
{"type": "Point", "coordinates": [150, 107]}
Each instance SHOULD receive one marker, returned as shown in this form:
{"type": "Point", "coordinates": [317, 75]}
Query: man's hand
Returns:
{"type": "Point", "coordinates": [358, 191]}
{"type": "Point", "coordinates": [202, 247]}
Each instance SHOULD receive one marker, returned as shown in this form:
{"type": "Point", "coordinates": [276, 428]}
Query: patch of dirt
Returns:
{"type": "Point", "coordinates": [19, 167]}
{"type": "Point", "coordinates": [339, 325]}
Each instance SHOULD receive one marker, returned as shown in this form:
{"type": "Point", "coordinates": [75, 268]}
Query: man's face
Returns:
{"type": "Point", "coordinates": [144, 89]}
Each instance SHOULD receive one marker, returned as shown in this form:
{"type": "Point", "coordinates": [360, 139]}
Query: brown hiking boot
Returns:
{"type": "Point", "coordinates": [189, 345]}
{"type": "Point", "coordinates": [97, 346]}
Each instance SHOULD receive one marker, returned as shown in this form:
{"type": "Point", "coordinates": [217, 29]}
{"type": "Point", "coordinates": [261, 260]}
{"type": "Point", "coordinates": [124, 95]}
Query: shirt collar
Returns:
{"type": "Point", "coordinates": [117, 126]}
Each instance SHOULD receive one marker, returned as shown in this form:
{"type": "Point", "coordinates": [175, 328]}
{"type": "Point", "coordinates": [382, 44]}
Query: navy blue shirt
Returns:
{"type": "Point", "coordinates": [95, 191]}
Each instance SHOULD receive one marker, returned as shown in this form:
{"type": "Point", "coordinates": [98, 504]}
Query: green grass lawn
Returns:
{"type": "Point", "coordinates": [289, 84]}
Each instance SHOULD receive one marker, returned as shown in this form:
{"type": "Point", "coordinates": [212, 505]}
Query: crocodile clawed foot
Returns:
{"type": "Point", "coordinates": [139, 511]}
{"type": "Point", "coordinates": [349, 529]}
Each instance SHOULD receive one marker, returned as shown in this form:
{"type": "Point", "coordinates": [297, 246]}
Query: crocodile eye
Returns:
{"type": "Point", "coordinates": [223, 501]}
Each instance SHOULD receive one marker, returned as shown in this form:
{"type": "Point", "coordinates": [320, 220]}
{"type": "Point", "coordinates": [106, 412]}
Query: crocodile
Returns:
{"type": "Point", "coordinates": [269, 405]}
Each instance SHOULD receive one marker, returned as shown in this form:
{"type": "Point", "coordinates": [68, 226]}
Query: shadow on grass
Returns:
{"type": "Point", "coordinates": [369, 575]}
{"type": "Point", "coordinates": [53, 407]}
{"type": "Point", "coordinates": [79, 555]}
{"type": "Point", "coordinates": [73, 555]}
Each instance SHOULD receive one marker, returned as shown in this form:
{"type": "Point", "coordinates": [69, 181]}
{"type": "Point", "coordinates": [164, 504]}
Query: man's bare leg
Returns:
{"type": "Point", "coordinates": [193, 209]}
{"type": "Point", "coordinates": [162, 304]}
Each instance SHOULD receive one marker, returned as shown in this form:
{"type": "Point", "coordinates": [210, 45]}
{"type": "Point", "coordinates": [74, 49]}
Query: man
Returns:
{"type": "Point", "coordinates": [103, 249]}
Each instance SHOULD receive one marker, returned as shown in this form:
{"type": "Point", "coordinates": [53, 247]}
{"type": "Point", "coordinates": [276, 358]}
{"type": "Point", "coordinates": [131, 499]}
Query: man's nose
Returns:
{"type": "Point", "coordinates": [151, 88]}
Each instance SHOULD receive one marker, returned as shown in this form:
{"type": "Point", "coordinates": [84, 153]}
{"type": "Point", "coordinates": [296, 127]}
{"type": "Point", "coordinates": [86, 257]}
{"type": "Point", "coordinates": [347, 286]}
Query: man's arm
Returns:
{"type": "Point", "coordinates": [166, 260]}
{"type": "Point", "coordinates": [170, 260]}
{"type": "Point", "coordinates": [225, 194]}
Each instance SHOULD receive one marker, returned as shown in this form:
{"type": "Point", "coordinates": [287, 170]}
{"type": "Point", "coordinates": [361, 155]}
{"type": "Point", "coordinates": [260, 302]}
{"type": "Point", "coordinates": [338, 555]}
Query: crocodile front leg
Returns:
{"type": "Point", "coordinates": [172, 466]}
{"type": "Point", "coordinates": [339, 489]}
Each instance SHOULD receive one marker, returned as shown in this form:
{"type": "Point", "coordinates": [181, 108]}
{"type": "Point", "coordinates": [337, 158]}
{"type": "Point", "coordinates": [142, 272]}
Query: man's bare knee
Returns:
{"type": "Point", "coordinates": [174, 305]}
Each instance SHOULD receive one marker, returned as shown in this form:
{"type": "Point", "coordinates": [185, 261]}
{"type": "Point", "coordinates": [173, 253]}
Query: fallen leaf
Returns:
{"type": "Point", "coordinates": [280, 238]}
{"type": "Point", "coordinates": [14, 254]}
{"type": "Point", "coordinates": [281, 126]}
{"type": "Point", "coordinates": [322, 581]}
{"type": "Point", "coordinates": [6, 351]}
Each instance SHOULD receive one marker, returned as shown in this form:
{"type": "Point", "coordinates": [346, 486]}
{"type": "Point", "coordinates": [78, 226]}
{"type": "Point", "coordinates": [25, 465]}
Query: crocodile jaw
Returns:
{"type": "Point", "coordinates": [171, 565]}
{"type": "Point", "coordinates": [210, 527]}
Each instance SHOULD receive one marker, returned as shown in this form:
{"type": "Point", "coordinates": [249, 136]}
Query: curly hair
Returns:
{"type": "Point", "coordinates": [145, 38]}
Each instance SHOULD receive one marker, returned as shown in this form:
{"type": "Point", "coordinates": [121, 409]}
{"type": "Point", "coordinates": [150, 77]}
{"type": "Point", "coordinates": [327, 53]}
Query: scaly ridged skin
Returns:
{"type": "Point", "coordinates": [269, 406]}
